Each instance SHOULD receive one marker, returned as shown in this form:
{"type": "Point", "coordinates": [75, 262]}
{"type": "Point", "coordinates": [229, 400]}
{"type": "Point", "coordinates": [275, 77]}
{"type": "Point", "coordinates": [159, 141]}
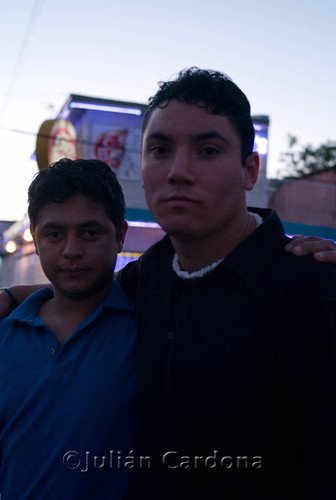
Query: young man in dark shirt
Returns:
{"type": "Point", "coordinates": [236, 344]}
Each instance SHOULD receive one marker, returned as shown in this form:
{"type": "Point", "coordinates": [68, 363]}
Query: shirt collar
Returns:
{"type": "Point", "coordinates": [117, 298]}
{"type": "Point", "coordinates": [28, 310]}
{"type": "Point", "coordinates": [252, 256]}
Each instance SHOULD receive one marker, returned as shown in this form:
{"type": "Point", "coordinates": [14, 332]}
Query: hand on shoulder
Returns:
{"type": "Point", "coordinates": [323, 250]}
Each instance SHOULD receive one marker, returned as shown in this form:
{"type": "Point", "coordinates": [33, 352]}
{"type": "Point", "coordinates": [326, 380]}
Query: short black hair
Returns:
{"type": "Point", "coordinates": [213, 90]}
{"type": "Point", "coordinates": [65, 178]}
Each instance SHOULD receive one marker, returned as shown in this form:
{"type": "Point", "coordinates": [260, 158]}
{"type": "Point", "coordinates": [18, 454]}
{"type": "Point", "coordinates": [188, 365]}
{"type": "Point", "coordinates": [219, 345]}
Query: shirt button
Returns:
{"type": "Point", "coordinates": [52, 351]}
{"type": "Point", "coordinates": [170, 335]}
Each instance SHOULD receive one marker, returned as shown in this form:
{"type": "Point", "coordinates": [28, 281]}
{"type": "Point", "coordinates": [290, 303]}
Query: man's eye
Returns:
{"type": "Point", "coordinates": [91, 233]}
{"type": "Point", "coordinates": [209, 151]}
{"type": "Point", "coordinates": [158, 150]}
{"type": "Point", "coordinates": [54, 235]}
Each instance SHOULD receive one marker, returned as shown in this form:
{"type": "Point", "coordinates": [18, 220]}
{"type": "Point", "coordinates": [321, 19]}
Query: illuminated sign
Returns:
{"type": "Point", "coordinates": [107, 108]}
{"type": "Point", "coordinates": [56, 139]}
{"type": "Point", "coordinates": [110, 147]}
{"type": "Point", "coordinates": [261, 124]}
{"type": "Point", "coordinates": [260, 144]}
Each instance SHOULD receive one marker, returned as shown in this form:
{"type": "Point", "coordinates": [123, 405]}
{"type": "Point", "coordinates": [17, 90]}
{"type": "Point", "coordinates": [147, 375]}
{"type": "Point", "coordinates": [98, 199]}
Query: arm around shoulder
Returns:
{"type": "Point", "coordinates": [13, 296]}
{"type": "Point", "coordinates": [128, 277]}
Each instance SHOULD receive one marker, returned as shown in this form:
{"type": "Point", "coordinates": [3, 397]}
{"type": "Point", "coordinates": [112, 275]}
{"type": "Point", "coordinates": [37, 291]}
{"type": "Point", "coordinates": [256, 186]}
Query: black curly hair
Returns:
{"type": "Point", "coordinates": [213, 90]}
{"type": "Point", "coordinates": [66, 177]}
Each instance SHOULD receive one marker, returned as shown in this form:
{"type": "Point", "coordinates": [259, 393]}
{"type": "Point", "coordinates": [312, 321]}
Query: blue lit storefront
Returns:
{"type": "Point", "coordinates": [109, 130]}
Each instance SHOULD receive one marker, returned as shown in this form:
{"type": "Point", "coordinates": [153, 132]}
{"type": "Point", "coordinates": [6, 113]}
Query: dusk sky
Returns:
{"type": "Point", "coordinates": [281, 54]}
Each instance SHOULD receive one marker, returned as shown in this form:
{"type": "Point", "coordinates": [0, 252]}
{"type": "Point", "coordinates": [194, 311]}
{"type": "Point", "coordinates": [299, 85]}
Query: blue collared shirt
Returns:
{"type": "Point", "coordinates": [66, 411]}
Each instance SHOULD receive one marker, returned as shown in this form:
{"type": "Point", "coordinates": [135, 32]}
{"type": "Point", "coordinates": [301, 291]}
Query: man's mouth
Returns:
{"type": "Point", "coordinates": [180, 199]}
{"type": "Point", "coordinates": [73, 270]}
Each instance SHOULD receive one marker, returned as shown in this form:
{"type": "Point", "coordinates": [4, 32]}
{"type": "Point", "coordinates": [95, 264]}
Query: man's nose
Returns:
{"type": "Point", "coordinates": [73, 247]}
{"type": "Point", "coordinates": [181, 168]}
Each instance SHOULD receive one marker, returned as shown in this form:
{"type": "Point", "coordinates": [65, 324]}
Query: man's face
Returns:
{"type": "Point", "coordinates": [193, 175]}
{"type": "Point", "coordinates": [77, 245]}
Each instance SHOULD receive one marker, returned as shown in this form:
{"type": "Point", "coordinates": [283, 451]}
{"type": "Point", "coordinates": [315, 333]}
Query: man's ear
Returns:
{"type": "Point", "coordinates": [251, 169]}
{"type": "Point", "coordinates": [32, 232]}
{"type": "Point", "coordinates": [121, 235]}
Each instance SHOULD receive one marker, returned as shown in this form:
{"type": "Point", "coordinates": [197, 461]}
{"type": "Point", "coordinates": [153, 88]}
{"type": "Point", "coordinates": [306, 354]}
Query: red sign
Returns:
{"type": "Point", "coordinates": [110, 147]}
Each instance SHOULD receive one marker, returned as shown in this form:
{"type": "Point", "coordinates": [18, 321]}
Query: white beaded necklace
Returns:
{"type": "Point", "coordinates": [205, 270]}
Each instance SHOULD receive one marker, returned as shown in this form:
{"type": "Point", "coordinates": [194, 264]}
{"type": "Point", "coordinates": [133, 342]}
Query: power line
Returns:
{"type": "Point", "coordinates": [20, 57]}
{"type": "Point", "coordinates": [48, 136]}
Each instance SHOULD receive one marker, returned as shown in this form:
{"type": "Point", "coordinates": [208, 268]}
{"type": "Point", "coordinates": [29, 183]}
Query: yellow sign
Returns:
{"type": "Point", "coordinates": [56, 139]}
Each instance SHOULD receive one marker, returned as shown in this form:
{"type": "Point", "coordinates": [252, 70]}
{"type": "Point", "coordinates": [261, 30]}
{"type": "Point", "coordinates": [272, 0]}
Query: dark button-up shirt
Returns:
{"type": "Point", "coordinates": [236, 373]}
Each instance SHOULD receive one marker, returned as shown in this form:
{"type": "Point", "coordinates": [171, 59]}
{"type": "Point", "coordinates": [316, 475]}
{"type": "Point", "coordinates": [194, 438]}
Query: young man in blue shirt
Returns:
{"type": "Point", "coordinates": [62, 433]}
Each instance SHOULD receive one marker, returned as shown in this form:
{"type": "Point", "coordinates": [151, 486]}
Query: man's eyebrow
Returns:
{"type": "Point", "coordinates": [158, 136]}
{"type": "Point", "coordinates": [51, 225]}
{"type": "Point", "coordinates": [197, 137]}
{"type": "Point", "coordinates": [56, 225]}
{"type": "Point", "coordinates": [203, 136]}
{"type": "Point", "coordinates": [92, 222]}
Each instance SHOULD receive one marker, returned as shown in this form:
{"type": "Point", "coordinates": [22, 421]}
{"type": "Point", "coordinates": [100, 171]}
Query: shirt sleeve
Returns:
{"type": "Point", "coordinates": [128, 278]}
{"type": "Point", "coordinates": [322, 476]}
